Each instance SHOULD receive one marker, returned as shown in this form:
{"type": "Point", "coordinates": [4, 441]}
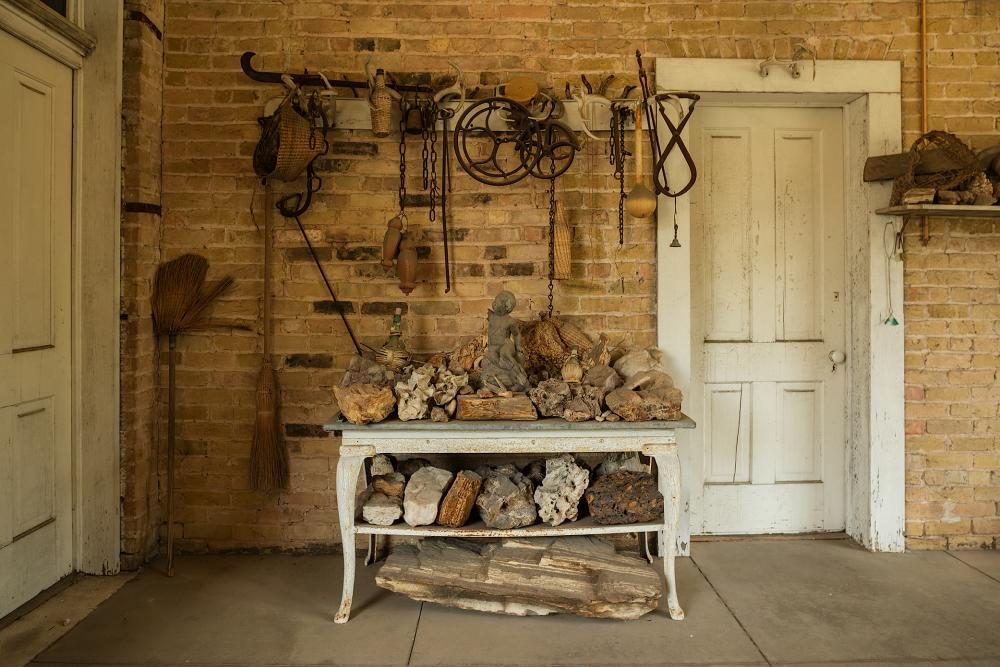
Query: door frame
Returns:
{"type": "Point", "coordinates": [869, 92]}
{"type": "Point", "coordinates": [91, 45]}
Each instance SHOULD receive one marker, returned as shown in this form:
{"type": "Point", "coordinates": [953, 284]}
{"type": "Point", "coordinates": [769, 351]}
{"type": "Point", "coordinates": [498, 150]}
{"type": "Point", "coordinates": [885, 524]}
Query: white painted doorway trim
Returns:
{"type": "Point", "coordinates": [870, 94]}
{"type": "Point", "coordinates": [93, 49]}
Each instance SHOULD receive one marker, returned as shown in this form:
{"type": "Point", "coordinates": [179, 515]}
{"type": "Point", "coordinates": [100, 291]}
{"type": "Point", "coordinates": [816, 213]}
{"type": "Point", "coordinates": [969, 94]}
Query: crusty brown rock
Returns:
{"type": "Point", "coordinates": [625, 497]}
{"type": "Point", "coordinates": [460, 499]}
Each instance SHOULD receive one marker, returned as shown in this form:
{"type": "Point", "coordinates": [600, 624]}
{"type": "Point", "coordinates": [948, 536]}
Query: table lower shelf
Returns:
{"type": "Point", "coordinates": [585, 526]}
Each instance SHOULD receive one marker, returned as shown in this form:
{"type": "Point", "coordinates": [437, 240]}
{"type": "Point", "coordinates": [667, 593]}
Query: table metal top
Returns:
{"type": "Point", "coordinates": [544, 424]}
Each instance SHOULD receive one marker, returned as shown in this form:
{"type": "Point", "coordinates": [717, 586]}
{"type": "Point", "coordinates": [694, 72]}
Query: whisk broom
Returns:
{"type": "Point", "coordinates": [180, 299]}
{"type": "Point", "coordinates": [268, 455]}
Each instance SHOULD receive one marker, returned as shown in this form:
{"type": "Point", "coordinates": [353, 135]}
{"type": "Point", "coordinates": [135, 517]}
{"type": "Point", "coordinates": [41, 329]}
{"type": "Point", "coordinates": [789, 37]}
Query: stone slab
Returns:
{"type": "Point", "coordinates": [547, 424]}
{"type": "Point", "coordinates": [243, 610]}
{"type": "Point", "coordinates": [819, 601]}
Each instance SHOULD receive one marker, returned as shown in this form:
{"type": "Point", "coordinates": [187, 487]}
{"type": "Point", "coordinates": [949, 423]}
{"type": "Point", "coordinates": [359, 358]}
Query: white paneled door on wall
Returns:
{"type": "Point", "coordinates": [769, 317]}
{"type": "Point", "coordinates": [36, 97]}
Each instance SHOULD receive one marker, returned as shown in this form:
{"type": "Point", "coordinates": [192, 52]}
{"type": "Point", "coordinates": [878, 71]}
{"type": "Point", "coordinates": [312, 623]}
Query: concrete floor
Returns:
{"type": "Point", "coordinates": [748, 603]}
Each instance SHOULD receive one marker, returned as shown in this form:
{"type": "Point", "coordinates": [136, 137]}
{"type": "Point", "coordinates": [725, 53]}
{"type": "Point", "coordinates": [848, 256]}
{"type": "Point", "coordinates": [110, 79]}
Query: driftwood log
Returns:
{"type": "Point", "coordinates": [577, 575]}
{"type": "Point", "coordinates": [887, 167]}
{"type": "Point", "coordinates": [518, 408]}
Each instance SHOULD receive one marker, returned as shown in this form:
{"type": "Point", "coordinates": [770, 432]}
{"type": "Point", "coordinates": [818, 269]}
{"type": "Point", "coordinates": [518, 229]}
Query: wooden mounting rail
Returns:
{"type": "Point", "coordinates": [306, 79]}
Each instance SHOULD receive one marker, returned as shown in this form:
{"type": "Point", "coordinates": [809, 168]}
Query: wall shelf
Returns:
{"type": "Point", "coordinates": [942, 211]}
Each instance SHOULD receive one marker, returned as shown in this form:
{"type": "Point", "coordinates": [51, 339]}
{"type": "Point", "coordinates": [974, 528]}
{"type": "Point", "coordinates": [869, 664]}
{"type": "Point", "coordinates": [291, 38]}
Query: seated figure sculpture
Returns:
{"type": "Point", "coordinates": [501, 366]}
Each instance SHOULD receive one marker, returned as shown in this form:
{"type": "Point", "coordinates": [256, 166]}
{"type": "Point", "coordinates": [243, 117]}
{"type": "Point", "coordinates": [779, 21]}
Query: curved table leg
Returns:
{"type": "Point", "coordinates": [348, 468]}
{"type": "Point", "coordinates": [668, 470]}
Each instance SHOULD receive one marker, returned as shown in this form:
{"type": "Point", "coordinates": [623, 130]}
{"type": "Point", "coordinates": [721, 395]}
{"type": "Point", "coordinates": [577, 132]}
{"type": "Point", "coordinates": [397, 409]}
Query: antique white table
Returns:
{"type": "Point", "coordinates": [545, 436]}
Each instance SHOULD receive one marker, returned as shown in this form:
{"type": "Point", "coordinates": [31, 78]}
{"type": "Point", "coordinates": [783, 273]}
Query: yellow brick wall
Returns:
{"type": "Point", "coordinates": [209, 112]}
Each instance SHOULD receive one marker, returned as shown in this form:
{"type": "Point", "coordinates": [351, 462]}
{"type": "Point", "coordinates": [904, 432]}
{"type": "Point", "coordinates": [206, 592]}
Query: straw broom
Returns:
{"type": "Point", "coordinates": [268, 455]}
{"type": "Point", "coordinates": [179, 301]}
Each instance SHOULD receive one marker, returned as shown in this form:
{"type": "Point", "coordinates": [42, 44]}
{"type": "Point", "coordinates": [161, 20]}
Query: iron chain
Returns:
{"type": "Point", "coordinates": [425, 134]}
{"type": "Point", "coordinates": [402, 158]}
{"type": "Point", "coordinates": [431, 124]}
{"type": "Point", "coordinates": [552, 241]}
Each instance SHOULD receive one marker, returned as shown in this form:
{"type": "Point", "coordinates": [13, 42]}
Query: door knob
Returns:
{"type": "Point", "coordinates": [837, 357]}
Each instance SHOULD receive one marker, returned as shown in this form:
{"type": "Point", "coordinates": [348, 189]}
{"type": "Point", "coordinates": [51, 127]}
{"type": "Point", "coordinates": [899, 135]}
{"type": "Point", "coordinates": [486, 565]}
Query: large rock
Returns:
{"type": "Point", "coordinates": [550, 397]}
{"type": "Point", "coordinates": [423, 495]}
{"type": "Point", "coordinates": [382, 510]}
{"type": "Point", "coordinates": [604, 378]}
{"type": "Point", "coordinates": [625, 497]}
{"type": "Point", "coordinates": [576, 575]}
{"type": "Point", "coordinates": [633, 406]}
{"type": "Point", "coordinates": [585, 404]}
{"type": "Point", "coordinates": [461, 498]}
{"type": "Point", "coordinates": [506, 501]}
{"type": "Point", "coordinates": [559, 495]}
{"type": "Point", "coordinates": [361, 370]}
{"type": "Point", "coordinates": [636, 360]}
{"type": "Point", "coordinates": [364, 403]}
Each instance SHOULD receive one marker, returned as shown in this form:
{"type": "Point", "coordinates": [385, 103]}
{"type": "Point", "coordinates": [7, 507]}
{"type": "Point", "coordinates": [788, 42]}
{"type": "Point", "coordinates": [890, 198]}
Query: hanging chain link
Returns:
{"type": "Point", "coordinates": [402, 158]}
{"type": "Point", "coordinates": [431, 123]}
{"type": "Point", "coordinates": [425, 134]}
{"type": "Point", "coordinates": [617, 157]}
{"type": "Point", "coordinates": [552, 242]}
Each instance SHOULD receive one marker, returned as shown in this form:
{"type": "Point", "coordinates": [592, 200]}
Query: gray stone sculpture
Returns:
{"type": "Point", "coordinates": [501, 368]}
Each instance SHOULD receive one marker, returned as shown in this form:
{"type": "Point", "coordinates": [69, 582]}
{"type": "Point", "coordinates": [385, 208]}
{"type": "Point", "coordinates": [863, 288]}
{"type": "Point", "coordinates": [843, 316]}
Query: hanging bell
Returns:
{"type": "Point", "coordinates": [414, 121]}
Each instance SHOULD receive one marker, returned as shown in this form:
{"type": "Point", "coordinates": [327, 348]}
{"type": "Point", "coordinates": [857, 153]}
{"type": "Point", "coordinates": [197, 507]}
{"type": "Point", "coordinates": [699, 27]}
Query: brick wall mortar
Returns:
{"type": "Point", "coordinates": [209, 112]}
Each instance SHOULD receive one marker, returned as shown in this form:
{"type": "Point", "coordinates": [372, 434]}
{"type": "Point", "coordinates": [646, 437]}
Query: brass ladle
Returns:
{"type": "Point", "coordinates": [641, 202]}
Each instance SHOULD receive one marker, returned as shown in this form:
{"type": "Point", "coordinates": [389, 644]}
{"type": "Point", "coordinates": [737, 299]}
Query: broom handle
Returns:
{"type": "Point", "coordinates": [268, 222]}
{"type": "Point", "coordinates": [171, 415]}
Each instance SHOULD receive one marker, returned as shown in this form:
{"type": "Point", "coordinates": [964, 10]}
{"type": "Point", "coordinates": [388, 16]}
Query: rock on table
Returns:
{"type": "Point", "coordinates": [423, 495]}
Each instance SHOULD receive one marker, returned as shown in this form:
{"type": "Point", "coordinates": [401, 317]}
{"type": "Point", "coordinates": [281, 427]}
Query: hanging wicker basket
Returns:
{"type": "Point", "coordinates": [561, 245]}
{"type": "Point", "coordinates": [287, 145]}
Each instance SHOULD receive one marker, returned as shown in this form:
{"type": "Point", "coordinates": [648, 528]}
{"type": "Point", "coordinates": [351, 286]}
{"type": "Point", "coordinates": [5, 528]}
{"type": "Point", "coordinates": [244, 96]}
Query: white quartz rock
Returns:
{"type": "Point", "coordinates": [635, 361]}
{"type": "Point", "coordinates": [558, 497]}
{"type": "Point", "coordinates": [423, 495]}
{"type": "Point", "coordinates": [382, 510]}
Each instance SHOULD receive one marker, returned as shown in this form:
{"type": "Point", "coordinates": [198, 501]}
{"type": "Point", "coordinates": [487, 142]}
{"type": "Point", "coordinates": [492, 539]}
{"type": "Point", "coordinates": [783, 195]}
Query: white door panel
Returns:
{"type": "Point", "coordinates": [36, 96]}
{"type": "Point", "coordinates": [768, 252]}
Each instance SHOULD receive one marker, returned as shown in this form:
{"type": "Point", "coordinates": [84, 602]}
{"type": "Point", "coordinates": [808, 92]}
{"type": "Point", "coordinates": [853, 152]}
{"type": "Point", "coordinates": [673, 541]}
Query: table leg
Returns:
{"type": "Point", "coordinates": [348, 468]}
{"type": "Point", "coordinates": [668, 470]}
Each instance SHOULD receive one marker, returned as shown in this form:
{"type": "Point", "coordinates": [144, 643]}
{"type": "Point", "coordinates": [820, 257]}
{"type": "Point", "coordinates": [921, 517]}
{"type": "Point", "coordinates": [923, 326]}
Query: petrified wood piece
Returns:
{"type": "Point", "coordinates": [576, 575]}
{"type": "Point", "coordinates": [423, 495]}
{"type": "Point", "coordinates": [558, 497]}
{"type": "Point", "coordinates": [364, 403]}
{"type": "Point", "coordinates": [506, 501]}
{"type": "Point", "coordinates": [391, 484]}
{"type": "Point", "coordinates": [517, 407]}
{"type": "Point", "coordinates": [656, 403]}
{"type": "Point", "coordinates": [625, 497]}
{"type": "Point", "coordinates": [460, 499]}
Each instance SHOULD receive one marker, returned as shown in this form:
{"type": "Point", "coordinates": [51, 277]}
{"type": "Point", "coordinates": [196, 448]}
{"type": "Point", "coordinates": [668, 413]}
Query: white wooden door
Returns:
{"type": "Point", "coordinates": [35, 200]}
{"type": "Point", "coordinates": [769, 309]}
